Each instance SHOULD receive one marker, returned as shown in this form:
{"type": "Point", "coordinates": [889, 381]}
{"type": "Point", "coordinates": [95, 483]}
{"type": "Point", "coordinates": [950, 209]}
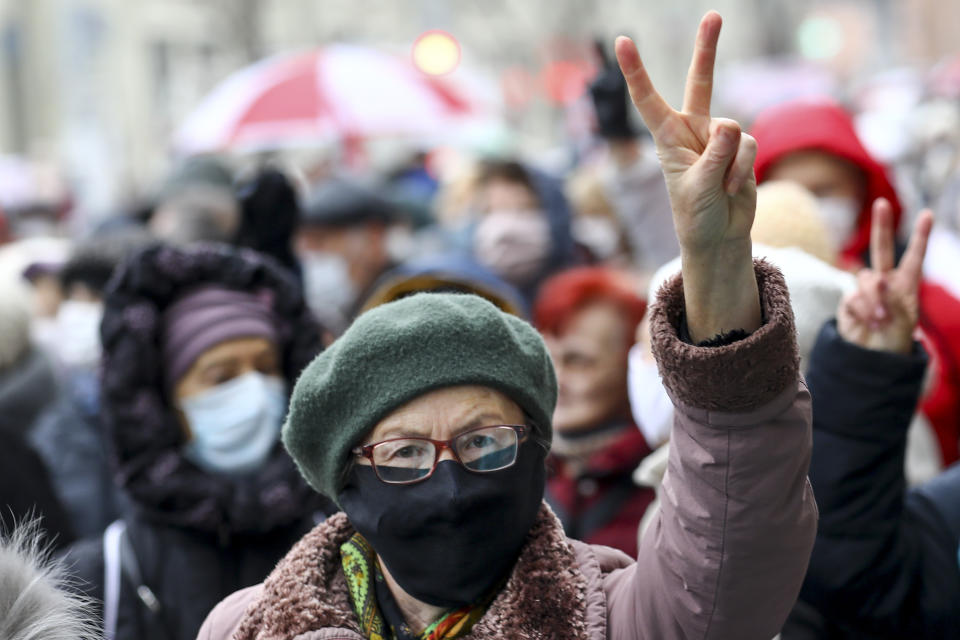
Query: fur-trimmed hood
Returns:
{"type": "Point", "coordinates": [548, 595]}
{"type": "Point", "coordinates": [141, 424]}
{"type": "Point", "coordinates": [35, 600]}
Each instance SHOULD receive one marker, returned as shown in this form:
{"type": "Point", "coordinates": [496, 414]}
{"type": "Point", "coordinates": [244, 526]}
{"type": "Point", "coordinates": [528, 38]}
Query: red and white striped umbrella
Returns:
{"type": "Point", "coordinates": [333, 93]}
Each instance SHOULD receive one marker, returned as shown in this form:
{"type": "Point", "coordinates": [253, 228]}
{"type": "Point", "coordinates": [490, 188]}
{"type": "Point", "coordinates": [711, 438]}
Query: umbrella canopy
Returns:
{"type": "Point", "coordinates": [324, 95]}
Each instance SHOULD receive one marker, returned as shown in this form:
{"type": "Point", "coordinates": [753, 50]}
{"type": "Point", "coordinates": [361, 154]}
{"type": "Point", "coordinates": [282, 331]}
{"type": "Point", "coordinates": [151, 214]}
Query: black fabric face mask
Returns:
{"type": "Point", "coordinates": [449, 539]}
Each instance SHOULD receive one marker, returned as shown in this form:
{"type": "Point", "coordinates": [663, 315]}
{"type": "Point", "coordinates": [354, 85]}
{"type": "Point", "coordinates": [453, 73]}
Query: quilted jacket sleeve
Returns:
{"type": "Point", "coordinates": [728, 552]}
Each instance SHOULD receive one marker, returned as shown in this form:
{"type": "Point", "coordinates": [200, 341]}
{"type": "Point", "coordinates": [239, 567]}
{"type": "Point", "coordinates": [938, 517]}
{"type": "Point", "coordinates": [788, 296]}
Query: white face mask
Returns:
{"type": "Point", "coordinates": [839, 215]}
{"type": "Point", "coordinates": [78, 334]}
{"type": "Point", "coordinates": [938, 162]}
{"type": "Point", "coordinates": [327, 286]}
{"type": "Point", "coordinates": [45, 333]}
{"type": "Point", "coordinates": [235, 425]}
{"type": "Point", "coordinates": [651, 406]}
{"type": "Point", "coordinates": [598, 234]}
{"type": "Point", "coordinates": [513, 244]}
{"type": "Point", "coordinates": [400, 243]}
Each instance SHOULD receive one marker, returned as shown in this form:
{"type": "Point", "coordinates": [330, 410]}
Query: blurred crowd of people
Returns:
{"type": "Point", "coordinates": [146, 364]}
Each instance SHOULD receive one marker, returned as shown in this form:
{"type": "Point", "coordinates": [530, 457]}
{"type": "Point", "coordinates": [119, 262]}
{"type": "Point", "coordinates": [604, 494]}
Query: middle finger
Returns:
{"type": "Point", "coordinates": [699, 89]}
{"type": "Point", "coordinates": [881, 236]}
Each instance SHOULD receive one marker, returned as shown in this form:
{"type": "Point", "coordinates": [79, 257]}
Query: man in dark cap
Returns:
{"type": "Point", "coordinates": [343, 247]}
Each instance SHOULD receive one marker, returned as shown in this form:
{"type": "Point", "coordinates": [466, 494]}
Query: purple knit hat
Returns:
{"type": "Point", "coordinates": [206, 317]}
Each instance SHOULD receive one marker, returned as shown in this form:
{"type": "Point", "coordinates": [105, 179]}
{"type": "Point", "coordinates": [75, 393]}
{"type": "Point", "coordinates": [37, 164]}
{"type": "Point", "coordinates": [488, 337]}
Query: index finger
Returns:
{"type": "Point", "coordinates": [881, 236]}
{"type": "Point", "coordinates": [911, 265]}
{"type": "Point", "coordinates": [699, 89]}
{"type": "Point", "coordinates": [652, 107]}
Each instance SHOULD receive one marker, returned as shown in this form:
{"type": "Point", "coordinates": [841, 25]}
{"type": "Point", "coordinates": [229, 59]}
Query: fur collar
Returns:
{"type": "Point", "coordinates": [545, 596]}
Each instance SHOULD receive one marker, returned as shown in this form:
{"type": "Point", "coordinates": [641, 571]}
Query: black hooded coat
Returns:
{"type": "Point", "coordinates": [885, 564]}
{"type": "Point", "coordinates": [194, 537]}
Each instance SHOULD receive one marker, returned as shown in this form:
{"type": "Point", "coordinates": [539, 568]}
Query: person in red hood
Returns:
{"type": "Point", "coordinates": [813, 142]}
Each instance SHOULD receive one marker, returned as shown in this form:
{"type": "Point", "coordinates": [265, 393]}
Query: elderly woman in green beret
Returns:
{"type": "Point", "coordinates": [428, 422]}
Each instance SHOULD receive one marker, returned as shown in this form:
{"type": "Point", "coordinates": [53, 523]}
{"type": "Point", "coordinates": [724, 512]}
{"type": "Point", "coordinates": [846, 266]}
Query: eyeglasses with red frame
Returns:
{"type": "Point", "coordinates": [413, 459]}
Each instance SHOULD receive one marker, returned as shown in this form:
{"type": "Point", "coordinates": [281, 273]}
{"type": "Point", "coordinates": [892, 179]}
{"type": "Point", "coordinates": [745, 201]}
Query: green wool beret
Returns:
{"type": "Point", "coordinates": [400, 351]}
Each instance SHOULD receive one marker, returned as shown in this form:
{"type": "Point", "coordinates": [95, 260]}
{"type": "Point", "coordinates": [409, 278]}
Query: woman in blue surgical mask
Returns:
{"type": "Point", "coordinates": [200, 347]}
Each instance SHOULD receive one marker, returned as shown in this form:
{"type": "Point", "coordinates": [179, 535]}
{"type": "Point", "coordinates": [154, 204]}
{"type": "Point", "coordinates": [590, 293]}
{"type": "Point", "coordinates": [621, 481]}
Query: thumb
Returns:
{"type": "Point", "coordinates": [721, 148]}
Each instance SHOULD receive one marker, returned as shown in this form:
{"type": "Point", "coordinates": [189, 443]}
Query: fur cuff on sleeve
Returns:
{"type": "Point", "coordinates": [736, 377]}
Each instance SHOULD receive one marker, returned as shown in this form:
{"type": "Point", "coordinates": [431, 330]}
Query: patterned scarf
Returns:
{"type": "Point", "coordinates": [365, 581]}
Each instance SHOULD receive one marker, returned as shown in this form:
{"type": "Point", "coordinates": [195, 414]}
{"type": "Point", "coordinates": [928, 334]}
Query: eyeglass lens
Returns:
{"type": "Point", "coordinates": [410, 459]}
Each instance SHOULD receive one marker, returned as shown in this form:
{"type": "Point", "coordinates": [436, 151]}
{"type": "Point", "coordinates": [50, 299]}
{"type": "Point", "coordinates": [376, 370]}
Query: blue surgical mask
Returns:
{"type": "Point", "coordinates": [235, 425]}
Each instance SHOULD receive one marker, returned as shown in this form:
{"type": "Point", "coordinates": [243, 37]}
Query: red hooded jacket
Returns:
{"type": "Point", "coordinates": [823, 125]}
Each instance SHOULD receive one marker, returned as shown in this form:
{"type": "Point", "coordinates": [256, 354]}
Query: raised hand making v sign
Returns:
{"type": "Point", "coordinates": [708, 165]}
{"type": "Point", "coordinates": [882, 313]}
{"type": "Point", "coordinates": [727, 553]}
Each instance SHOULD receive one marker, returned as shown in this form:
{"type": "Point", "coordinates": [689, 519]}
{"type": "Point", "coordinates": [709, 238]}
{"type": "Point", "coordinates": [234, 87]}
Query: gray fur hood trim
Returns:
{"type": "Point", "coordinates": [36, 602]}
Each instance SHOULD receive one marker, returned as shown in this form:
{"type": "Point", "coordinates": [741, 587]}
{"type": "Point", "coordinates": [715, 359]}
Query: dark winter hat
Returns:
{"type": "Point", "coordinates": [343, 202]}
{"type": "Point", "coordinates": [209, 316]}
{"type": "Point", "coordinates": [201, 170]}
{"type": "Point", "coordinates": [399, 351]}
{"type": "Point", "coordinates": [446, 273]}
{"type": "Point", "coordinates": [93, 261]}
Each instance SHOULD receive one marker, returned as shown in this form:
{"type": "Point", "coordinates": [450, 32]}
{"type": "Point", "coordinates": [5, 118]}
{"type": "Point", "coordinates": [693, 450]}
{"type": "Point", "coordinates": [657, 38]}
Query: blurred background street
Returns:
{"type": "Point", "coordinates": [95, 91]}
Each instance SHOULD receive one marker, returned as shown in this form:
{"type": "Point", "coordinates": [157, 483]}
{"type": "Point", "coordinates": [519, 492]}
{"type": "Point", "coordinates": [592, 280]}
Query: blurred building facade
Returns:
{"type": "Point", "coordinates": [99, 85]}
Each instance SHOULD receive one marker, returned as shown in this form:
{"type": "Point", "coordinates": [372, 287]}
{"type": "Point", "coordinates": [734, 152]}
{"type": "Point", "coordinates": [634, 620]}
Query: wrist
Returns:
{"type": "Point", "coordinates": [886, 344]}
{"type": "Point", "coordinates": [720, 291]}
{"type": "Point", "coordinates": [863, 370]}
{"type": "Point", "coordinates": [716, 262]}
{"type": "Point", "coordinates": [892, 339]}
